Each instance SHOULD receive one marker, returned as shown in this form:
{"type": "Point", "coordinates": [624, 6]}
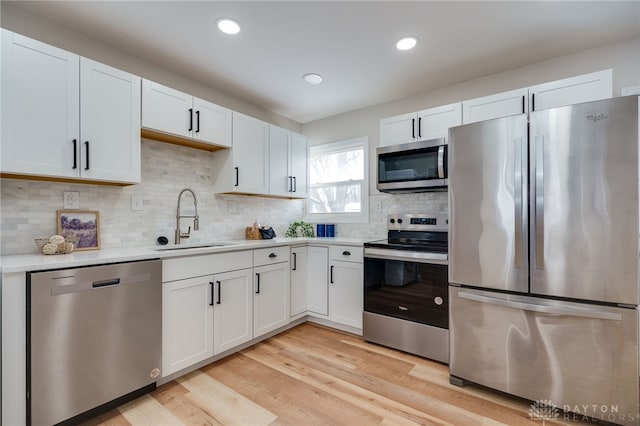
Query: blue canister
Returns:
{"type": "Point", "coordinates": [320, 230]}
{"type": "Point", "coordinates": [331, 230]}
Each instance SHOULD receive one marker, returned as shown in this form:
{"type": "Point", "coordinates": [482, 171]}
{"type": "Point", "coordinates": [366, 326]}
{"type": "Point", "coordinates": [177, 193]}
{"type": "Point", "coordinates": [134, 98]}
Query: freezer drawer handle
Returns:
{"type": "Point", "coordinates": [105, 283]}
{"type": "Point", "coordinates": [553, 310]}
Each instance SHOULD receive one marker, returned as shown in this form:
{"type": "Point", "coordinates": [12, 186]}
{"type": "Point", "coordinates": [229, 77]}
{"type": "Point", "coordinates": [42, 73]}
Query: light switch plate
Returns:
{"type": "Point", "coordinates": [71, 200]}
{"type": "Point", "coordinates": [137, 202]}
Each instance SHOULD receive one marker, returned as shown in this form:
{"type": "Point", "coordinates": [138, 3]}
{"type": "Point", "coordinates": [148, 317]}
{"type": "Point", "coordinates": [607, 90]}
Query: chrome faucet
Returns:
{"type": "Point", "coordinates": [196, 220]}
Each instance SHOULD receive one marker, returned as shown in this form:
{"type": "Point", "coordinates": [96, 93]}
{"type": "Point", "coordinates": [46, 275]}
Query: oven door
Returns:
{"type": "Point", "coordinates": [412, 167]}
{"type": "Point", "coordinates": [407, 285]}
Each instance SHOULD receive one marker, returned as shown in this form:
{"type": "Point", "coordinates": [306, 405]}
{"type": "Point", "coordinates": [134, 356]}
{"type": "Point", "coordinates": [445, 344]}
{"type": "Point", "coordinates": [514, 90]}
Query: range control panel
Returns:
{"type": "Point", "coordinates": [418, 222]}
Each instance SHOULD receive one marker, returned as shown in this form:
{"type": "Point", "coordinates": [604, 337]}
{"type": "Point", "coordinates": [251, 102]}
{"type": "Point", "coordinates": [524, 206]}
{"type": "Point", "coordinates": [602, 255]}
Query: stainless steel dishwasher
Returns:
{"type": "Point", "coordinates": [94, 339]}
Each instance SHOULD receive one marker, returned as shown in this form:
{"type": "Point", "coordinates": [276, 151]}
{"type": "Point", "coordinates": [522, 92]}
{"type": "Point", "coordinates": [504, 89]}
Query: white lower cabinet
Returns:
{"type": "Point", "coordinates": [206, 314]}
{"type": "Point", "coordinates": [232, 310]}
{"type": "Point", "coordinates": [187, 323]}
{"type": "Point", "coordinates": [270, 298]}
{"type": "Point", "coordinates": [318, 280]}
{"type": "Point", "coordinates": [299, 280]}
{"type": "Point", "coordinates": [346, 286]}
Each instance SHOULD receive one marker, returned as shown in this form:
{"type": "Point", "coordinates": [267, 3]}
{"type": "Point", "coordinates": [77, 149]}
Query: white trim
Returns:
{"type": "Point", "coordinates": [337, 146]}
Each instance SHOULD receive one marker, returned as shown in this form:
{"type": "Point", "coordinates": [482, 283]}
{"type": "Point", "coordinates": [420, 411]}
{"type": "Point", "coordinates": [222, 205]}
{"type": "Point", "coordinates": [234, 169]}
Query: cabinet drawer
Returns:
{"type": "Point", "coordinates": [197, 266]}
{"type": "Point", "coordinates": [271, 255]}
{"type": "Point", "coordinates": [346, 253]}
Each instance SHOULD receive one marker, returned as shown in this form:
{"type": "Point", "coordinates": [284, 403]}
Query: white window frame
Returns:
{"type": "Point", "coordinates": [359, 217]}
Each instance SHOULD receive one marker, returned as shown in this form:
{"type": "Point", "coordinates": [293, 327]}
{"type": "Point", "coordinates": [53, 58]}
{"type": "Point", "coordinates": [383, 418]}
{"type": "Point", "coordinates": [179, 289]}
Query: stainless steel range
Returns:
{"type": "Point", "coordinates": [405, 286]}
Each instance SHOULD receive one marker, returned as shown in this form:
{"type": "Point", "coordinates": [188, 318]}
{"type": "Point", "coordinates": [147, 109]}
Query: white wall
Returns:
{"type": "Point", "coordinates": [623, 57]}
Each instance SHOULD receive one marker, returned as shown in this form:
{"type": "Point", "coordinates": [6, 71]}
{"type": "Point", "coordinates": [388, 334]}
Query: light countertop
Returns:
{"type": "Point", "coordinates": [39, 262]}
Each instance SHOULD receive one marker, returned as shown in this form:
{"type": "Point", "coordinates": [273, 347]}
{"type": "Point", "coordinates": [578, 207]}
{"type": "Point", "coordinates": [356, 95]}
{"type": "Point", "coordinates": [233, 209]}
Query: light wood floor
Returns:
{"type": "Point", "coordinates": [311, 375]}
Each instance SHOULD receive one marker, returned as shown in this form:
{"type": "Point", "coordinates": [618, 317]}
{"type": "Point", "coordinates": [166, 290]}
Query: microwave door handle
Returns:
{"type": "Point", "coordinates": [441, 162]}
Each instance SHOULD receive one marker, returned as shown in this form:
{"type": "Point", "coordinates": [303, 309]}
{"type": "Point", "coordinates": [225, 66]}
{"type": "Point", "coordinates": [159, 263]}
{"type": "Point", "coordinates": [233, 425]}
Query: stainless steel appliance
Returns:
{"type": "Point", "coordinates": [405, 286]}
{"type": "Point", "coordinates": [94, 336]}
{"type": "Point", "coordinates": [544, 257]}
{"type": "Point", "coordinates": [413, 167]}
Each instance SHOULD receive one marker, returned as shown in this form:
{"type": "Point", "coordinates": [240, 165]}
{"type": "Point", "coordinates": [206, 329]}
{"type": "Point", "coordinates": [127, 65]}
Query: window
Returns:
{"type": "Point", "coordinates": [339, 181]}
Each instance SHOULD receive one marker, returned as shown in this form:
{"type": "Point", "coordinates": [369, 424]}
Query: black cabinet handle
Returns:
{"type": "Point", "coordinates": [523, 111]}
{"type": "Point", "coordinates": [331, 275]}
{"type": "Point", "coordinates": [413, 128]}
{"type": "Point", "coordinates": [346, 253]}
{"type": "Point", "coordinates": [197, 121]}
{"type": "Point", "coordinates": [419, 127]}
{"type": "Point", "coordinates": [237, 176]}
{"type": "Point", "coordinates": [290, 184]}
{"type": "Point", "coordinates": [295, 262]}
{"type": "Point", "coordinates": [219, 292]}
{"type": "Point", "coordinates": [75, 154]}
{"type": "Point", "coordinates": [86, 145]}
{"type": "Point", "coordinates": [211, 300]}
{"type": "Point", "coordinates": [258, 283]}
{"type": "Point", "coordinates": [295, 184]}
{"type": "Point", "coordinates": [273, 255]}
{"type": "Point", "coordinates": [533, 102]}
{"type": "Point", "coordinates": [190, 119]}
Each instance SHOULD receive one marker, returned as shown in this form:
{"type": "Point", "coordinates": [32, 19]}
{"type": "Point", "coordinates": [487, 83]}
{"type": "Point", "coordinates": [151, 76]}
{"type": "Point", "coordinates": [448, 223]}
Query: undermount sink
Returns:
{"type": "Point", "coordinates": [192, 246]}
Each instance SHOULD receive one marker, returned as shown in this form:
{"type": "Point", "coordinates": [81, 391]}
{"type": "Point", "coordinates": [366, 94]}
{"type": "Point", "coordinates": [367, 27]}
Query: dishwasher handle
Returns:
{"type": "Point", "coordinates": [105, 283]}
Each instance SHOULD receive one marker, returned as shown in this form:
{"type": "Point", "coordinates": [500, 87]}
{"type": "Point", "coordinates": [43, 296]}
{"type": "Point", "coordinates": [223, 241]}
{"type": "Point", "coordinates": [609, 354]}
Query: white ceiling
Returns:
{"type": "Point", "coordinates": [350, 43]}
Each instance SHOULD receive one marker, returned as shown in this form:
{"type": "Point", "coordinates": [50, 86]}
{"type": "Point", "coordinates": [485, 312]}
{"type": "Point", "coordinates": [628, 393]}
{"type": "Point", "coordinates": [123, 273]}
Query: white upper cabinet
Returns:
{"type": "Point", "coordinates": [434, 123]}
{"type": "Point", "coordinates": [398, 129]}
{"type": "Point", "coordinates": [46, 93]}
{"type": "Point", "coordinates": [495, 106]}
{"type": "Point", "coordinates": [166, 109]}
{"type": "Point", "coordinates": [427, 124]}
{"type": "Point", "coordinates": [568, 91]}
{"type": "Point", "coordinates": [213, 123]}
{"type": "Point", "coordinates": [287, 163]}
{"type": "Point", "coordinates": [168, 112]}
{"type": "Point", "coordinates": [245, 167]}
{"type": "Point", "coordinates": [299, 163]}
{"type": "Point", "coordinates": [574, 90]}
{"type": "Point", "coordinates": [109, 124]}
{"type": "Point", "coordinates": [40, 109]}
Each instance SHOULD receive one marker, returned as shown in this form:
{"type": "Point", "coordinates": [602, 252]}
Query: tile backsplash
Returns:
{"type": "Point", "coordinates": [28, 208]}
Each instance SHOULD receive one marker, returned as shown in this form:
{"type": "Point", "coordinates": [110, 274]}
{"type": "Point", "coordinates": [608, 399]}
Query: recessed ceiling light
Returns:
{"type": "Point", "coordinates": [406, 43]}
{"type": "Point", "coordinates": [228, 26]}
{"type": "Point", "coordinates": [312, 78]}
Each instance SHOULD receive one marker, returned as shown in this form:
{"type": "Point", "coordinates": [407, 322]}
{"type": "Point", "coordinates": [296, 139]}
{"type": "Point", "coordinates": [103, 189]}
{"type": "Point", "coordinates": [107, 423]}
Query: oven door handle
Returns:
{"type": "Point", "coordinates": [407, 256]}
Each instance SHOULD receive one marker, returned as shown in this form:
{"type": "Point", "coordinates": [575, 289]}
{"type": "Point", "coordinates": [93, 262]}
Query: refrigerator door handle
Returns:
{"type": "Point", "coordinates": [441, 162]}
{"type": "Point", "coordinates": [517, 187]}
{"type": "Point", "coordinates": [539, 200]}
{"type": "Point", "coordinates": [553, 310]}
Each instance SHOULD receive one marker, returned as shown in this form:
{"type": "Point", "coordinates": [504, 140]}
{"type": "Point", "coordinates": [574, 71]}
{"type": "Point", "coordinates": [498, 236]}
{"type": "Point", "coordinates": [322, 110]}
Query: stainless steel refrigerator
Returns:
{"type": "Point", "coordinates": [543, 257]}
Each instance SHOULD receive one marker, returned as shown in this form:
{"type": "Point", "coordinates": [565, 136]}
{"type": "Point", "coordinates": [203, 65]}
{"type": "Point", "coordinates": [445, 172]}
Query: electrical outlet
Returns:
{"type": "Point", "coordinates": [377, 207]}
{"type": "Point", "coordinates": [231, 206]}
{"type": "Point", "coordinates": [137, 202]}
{"type": "Point", "coordinates": [71, 200]}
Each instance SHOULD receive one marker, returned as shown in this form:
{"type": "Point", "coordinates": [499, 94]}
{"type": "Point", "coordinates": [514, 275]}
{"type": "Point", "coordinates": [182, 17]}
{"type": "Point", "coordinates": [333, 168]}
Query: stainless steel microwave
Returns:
{"type": "Point", "coordinates": [413, 167]}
